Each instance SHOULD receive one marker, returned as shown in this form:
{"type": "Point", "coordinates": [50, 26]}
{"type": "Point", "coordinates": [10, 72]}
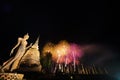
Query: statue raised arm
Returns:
{"type": "Point", "coordinates": [15, 47]}
{"type": "Point", "coordinates": [14, 62]}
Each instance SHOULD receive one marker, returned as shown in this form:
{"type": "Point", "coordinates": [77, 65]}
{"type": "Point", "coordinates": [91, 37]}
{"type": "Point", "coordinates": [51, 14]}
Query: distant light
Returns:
{"type": "Point", "coordinates": [71, 77]}
{"type": "Point", "coordinates": [117, 76]}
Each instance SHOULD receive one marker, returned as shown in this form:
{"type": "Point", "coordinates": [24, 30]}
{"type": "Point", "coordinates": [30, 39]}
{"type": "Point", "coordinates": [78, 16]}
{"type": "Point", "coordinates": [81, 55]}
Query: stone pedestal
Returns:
{"type": "Point", "coordinates": [11, 76]}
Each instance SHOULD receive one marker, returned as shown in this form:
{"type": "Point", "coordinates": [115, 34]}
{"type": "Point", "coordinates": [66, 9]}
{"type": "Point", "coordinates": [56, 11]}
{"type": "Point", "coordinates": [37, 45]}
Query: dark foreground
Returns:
{"type": "Point", "coordinates": [61, 76]}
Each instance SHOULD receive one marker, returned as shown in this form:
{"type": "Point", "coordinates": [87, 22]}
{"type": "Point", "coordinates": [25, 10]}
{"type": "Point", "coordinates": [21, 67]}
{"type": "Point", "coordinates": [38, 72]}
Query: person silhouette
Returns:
{"type": "Point", "coordinates": [13, 62]}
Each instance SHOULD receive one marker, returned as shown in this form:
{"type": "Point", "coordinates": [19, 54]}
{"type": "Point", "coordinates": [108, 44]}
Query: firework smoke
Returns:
{"type": "Point", "coordinates": [64, 53]}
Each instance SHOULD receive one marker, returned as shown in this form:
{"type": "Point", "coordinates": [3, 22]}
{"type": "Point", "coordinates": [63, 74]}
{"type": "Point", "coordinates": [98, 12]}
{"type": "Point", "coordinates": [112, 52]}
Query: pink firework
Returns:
{"type": "Point", "coordinates": [75, 52]}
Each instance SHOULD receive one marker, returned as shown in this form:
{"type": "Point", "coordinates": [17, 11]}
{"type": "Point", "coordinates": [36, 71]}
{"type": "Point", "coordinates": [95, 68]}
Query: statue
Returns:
{"type": "Point", "coordinates": [26, 58]}
{"type": "Point", "coordinates": [13, 62]}
{"type": "Point", "coordinates": [31, 60]}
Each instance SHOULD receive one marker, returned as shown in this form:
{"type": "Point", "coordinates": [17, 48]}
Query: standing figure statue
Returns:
{"type": "Point", "coordinates": [13, 63]}
{"type": "Point", "coordinates": [30, 62]}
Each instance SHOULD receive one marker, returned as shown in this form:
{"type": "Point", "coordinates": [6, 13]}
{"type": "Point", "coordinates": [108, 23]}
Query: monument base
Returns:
{"type": "Point", "coordinates": [11, 76]}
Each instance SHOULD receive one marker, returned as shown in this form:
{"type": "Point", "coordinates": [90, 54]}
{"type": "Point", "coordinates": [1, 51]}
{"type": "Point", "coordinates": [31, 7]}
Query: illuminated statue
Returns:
{"type": "Point", "coordinates": [13, 62]}
{"type": "Point", "coordinates": [31, 60]}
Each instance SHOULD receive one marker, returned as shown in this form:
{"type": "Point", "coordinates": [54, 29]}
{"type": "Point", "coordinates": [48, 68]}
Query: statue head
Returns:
{"type": "Point", "coordinates": [26, 36]}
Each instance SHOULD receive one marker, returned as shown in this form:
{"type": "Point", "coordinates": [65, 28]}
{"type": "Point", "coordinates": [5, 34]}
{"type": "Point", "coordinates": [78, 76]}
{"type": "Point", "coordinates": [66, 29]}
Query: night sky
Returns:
{"type": "Point", "coordinates": [83, 22]}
